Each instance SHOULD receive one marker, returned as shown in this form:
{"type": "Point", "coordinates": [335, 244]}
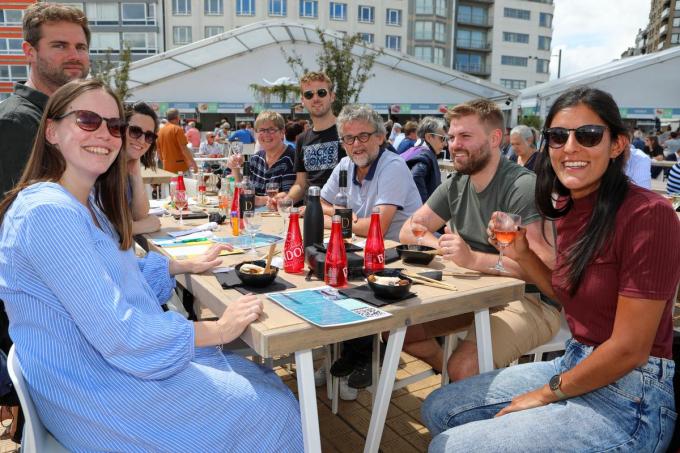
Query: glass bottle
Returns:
{"type": "Point", "coordinates": [201, 188]}
{"type": "Point", "coordinates": [342, 206]}
{"type": "Point", "coordinates": [293, 254]}
{"type": "Point", "coordinates": [335, 269]}
{"type": "Point", "coordinates": [247, 193]}
{"type": "Point", "coordinates": [374, 251]}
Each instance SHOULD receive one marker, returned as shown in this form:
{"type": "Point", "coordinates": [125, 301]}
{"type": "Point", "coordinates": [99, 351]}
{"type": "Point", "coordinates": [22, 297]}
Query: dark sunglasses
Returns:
{"type": "Point", "coordinates": [90, 121]}
{"type": "Point", "coordinates": [321, 92]}
{"type": "Point", "coordinates": [136, 132]}
{"type": "Point", "coordinates": [588, 135]}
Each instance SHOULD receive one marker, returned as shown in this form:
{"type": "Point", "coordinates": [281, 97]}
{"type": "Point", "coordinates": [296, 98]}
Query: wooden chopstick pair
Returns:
{"type": "Point", "coordinates": [427, 281]}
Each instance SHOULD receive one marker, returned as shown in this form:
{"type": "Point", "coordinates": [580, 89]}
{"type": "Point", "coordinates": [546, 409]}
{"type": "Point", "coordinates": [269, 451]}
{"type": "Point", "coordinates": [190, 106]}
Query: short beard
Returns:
{"type": "Point", "coordinates": [369, 159]}
{"type": "Point", "coordinates": [476, 161]}
{"type": "Point", "coordinates": [56, 76]}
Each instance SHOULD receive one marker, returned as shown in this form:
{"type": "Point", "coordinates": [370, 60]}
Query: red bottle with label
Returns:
{"type": "Point", "coordinates": [236, 206]}
{"type": "Point", "coordinates": [374, 251]}
{"type": "Point", "coordinates": [180, 181]}
{"type": "Point", "coordinates": [335, 269]}
{"type": "Point", "coordinates": [293, 254]}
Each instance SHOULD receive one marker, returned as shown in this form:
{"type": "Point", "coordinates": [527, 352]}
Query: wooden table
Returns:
{"type": "Point", "coordinates": [157, 176]}
{"type": "Point", "coordinates": [445, 165]}
{"type": "Point", "coordinates": [280, 332]}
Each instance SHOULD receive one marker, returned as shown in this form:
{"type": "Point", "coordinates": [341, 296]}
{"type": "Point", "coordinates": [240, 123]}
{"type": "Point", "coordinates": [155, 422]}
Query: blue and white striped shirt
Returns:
{"type": "Point", "coordinates": [673, 183]}
{"type": "Point", "coordinates": [108, 370]}
{"type": "Point", "coordinates": [282, 171]}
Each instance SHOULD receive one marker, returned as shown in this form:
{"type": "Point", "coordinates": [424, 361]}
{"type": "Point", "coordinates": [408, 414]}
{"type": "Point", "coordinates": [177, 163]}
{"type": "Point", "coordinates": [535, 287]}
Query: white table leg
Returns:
{"type": "Point", "coordinates": [307, 395]}
{"type": "Point", "coordinates": [484, 345]}
{"type": "Point", "coordinates": [384, 392]}
{"type": "Point", "coordinates": [149, 191]}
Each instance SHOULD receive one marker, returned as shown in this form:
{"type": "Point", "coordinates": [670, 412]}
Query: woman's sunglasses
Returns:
{"type": "Point", "coordinates": [588, 135]}
{"type": "Point", "coordinates": [136, 132]}
{"type": "Point", "coordinates": [90, 121]}
{"type": "Point", "coordinates": [309, 94]}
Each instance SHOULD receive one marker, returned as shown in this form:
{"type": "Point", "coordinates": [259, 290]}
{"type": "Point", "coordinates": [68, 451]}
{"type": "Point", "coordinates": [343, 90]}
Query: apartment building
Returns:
{"type": "Point", "coordinates": [663, 30]}
{"type": "Point", "coordinates": [13, 65]}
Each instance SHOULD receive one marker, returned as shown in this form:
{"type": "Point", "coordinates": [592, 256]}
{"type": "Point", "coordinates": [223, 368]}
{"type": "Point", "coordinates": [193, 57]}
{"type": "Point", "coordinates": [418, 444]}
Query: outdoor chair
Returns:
{"type": "Point", "coordinates": [555, 344]}
{"type": "Point", "coordinates": [36, 438]}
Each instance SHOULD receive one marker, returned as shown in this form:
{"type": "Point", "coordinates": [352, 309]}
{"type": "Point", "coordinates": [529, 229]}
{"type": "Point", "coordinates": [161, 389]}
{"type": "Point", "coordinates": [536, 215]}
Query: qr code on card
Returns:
{"type": "Point", "coordinates": [369, 312]}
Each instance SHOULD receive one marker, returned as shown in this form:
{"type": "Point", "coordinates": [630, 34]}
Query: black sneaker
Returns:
{"type": "Point", "coordinates": [344, 365]}
{"type": "Point", "coordinates": [361, 377]}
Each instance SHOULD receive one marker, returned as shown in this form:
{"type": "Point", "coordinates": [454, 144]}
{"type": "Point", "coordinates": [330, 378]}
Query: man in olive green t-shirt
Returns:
{"type": "Point", "coordinates": [482, 183]}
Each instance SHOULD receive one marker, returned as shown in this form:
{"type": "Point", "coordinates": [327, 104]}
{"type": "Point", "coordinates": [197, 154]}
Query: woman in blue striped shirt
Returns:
{"type": "Point", "coordinates": [108, 370]}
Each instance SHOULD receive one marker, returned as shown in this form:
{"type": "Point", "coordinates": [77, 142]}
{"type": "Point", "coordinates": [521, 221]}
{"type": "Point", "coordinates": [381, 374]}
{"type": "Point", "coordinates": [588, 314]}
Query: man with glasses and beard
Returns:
{"type": "Point", "coordinates": [56, 43]}
{"type": "Point", "coordinates": [318, 150]}
{"type": "Point", "coordinates": [483, 182]}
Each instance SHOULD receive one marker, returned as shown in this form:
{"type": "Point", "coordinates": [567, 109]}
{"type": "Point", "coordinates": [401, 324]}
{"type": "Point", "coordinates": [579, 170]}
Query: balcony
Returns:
{"type": "Point", "coordinates": [475, 21]}
{"type": "Point", "coordinates": [473, 68]}
{"type": "Point", "coordinates": [663, 29]}
{"type": "Point", "coordinates": [664, 13]}
{"type": "Point", "coordinates": [469, 44]}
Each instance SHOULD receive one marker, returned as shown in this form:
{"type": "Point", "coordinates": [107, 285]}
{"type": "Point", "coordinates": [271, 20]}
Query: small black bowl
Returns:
{"type": "Point", "coordinates": [389, 291]}
{"type": "Point", "coordinates": [257, 280]}
{"type": "Point", "coordinates": [413, 254]}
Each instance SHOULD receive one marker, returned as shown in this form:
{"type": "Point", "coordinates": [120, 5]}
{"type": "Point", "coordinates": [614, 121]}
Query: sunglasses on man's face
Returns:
{"type": "Point", "coordinates": [136, 132]}
{"type": "Point", "coordinates": [589, 135]}
{"type": "Point", "coordinates": [90, 121]}
{"type": "Point", "coordinates": [321, 92]}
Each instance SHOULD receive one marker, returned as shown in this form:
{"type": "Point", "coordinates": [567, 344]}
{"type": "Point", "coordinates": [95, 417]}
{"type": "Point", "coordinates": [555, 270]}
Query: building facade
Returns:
{"type": "Point", "coordinates": [13, 64]}
{"type": "Point", "coordinates": [663, 30]}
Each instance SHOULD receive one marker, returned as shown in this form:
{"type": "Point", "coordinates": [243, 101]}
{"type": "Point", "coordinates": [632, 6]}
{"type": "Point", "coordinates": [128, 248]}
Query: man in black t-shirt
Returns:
{"type": "Point", "coordinates": [318, 149]}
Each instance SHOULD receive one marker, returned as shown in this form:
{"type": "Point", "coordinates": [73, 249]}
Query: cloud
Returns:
{"type": "Point", "coordinates": [591, 33]}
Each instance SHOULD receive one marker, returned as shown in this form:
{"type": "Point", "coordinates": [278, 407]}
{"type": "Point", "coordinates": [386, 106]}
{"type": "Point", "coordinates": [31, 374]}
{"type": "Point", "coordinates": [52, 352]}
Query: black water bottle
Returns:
{"type": "Point", "coordinates": [313, 222]}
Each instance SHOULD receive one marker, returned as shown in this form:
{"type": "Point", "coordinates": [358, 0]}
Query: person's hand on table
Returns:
{"type": "Point", "coordinates": [200, 264]}
{"type": "Point", "coordinates": [536, 398]}
{"type": "Point", "coordinates": [517, 248]}
{"type": "Point", "coordinates": [454, 248]}
{"type": "Point", "coordinates": [239, 314]}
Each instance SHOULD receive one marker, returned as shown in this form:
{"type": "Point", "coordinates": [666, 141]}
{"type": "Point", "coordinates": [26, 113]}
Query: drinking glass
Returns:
{"type": "Point", "coordinates": [283, 205]}
{"type": "Point", "coordinates": [504, 229]}
{"type": "Point", "coordinates": [180, 199]}
{"type": "Point", "coordinates": [272, 189]}
{"type": "Point", "coordinates": [252, 222]}
{"type": "Point", "coordinates": [675, 201]}
{"type": "Point", "coordinates": [418, 228]}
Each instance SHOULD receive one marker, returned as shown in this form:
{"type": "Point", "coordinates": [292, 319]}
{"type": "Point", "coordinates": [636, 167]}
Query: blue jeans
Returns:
{"type": "Point", "coordinates": [635, 413]}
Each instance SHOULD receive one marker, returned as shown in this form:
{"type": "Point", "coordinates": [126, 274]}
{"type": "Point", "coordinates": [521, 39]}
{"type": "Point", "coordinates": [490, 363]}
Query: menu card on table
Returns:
{"type": "Point", "coordinates": [326, 307]}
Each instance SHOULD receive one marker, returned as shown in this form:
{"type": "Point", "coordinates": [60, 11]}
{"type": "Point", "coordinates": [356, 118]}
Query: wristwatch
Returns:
{"type": "Point", "coordinates": [554, 384]}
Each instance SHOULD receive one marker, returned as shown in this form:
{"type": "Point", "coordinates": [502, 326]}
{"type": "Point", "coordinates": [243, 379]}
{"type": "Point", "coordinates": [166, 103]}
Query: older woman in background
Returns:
{"type": "Point", "coordinates": [523, 141]}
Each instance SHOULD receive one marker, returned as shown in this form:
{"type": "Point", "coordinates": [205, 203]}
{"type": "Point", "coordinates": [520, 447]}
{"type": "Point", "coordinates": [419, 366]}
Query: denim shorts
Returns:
{"type": "Point", "coordinates": [634, 413]}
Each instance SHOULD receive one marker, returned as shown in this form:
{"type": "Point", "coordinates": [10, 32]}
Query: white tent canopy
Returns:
{"type": "Point", "coordinates": [644, 87]}
{"type": "Point", "coordinates": [214, 74]}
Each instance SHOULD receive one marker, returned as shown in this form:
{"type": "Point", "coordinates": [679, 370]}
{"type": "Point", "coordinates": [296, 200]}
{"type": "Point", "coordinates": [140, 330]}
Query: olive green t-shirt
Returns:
{"type": "Point", "coordinates": [511, 190]}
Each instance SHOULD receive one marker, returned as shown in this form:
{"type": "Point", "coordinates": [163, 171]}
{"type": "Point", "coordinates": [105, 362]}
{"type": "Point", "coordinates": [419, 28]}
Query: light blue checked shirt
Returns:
{"type": "Point", "coordinates": [108, 370]}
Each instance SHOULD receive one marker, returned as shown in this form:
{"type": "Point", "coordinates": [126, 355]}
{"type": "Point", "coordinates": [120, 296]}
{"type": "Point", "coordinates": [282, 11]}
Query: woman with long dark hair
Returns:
{"type": "Point", "coordinates": [141, 150]}
{"type": "Point", "coordinates": [107, 368]}
{"type": "Point", "coordinates": [616, 275]}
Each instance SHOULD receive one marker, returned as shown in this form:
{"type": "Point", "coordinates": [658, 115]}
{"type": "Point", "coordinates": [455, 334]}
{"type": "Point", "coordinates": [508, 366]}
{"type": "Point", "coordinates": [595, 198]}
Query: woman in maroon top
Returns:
{"type": "Point", "coordinates": [616, 273]}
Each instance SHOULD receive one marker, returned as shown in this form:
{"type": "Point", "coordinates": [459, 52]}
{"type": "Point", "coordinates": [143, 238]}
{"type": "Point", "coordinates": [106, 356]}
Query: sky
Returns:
{"type": "Point", "coordinates": [594, 32]}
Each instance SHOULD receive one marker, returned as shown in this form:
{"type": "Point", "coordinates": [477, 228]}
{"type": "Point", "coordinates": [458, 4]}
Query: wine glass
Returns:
{"type": "Point", "coordinates": [675, 201]}
{"type": "Point", "coordinates": [283, 205]}
{"type": "Point", "coordinates": [504, 229]}
{"type": "Point", "coordinates": [252, 222]}
{"type": "Point", "coordinates": [418, 228]}
{"type": "Point", "coordinates": [180, 199]}
{"type": "Point", "coordinates": [272, 188]}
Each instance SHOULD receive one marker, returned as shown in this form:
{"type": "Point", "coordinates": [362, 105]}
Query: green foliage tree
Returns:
{"type": "Point", "coordinates": [115, 74]}
{"type": "Point", "coordinates": [283, 92]}
{"type": "Point", "coordinates": [348, 72]}
{"type": "Point", "coordinates": [531, 121]}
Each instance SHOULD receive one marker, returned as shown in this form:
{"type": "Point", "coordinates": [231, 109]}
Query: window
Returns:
{"type": "Point", "coordinates": [181, 35]}
{"type": "Point", "coordinates": [102, 42]}
{"type": "Point", "coordinates": [515, 37]}
{"type": "Point", "coordinates": [75, 5]}
{"type": "Point", "coordinates": [181, 7]}
{"type": "Point", "coordinates": [677, 6]}
{"type": "Point", "coordinates": [309, 8]}
{"type": "Point", "coordinates": [394, 17]}
{"type": "Point", "coordinates": [278, 8]}
{"type": "Point", "coordinates": [104, 13]}
{"type": "Point", "coordinates": [438, 56]}
{"type": "Point", "coordinates": [676, 21]}
{"type": "Point", "coordinates": [245, 7]}
{"type": "Point", "coordinates": [213, 7]}
{"type": "Point", "coordinates": [472, 39]}
{"type": "Point", "coordinates": [440, 8]}
{"type": "Point", "coordinates": [545, 20]}
{"type": "Point", "coordinates": [423, 53]}
{"type": "Point", "coordinates": [469, 62]}
{"type": "Point", "coordinates": [213, 30]}
{"type": "Point", "coordinates": [440, 32]}
{"type": "Point", "coordinates": [393, 42]}
{"type": "Point", "coordinates": [514, 61]}
{"type": "Point", "coordinates": [338, 11]}
{"type": "Point", "coordinates": [11, 17]}
{"type": "Point", "coordinates": [136, 14]}
{"type": "Point", "coordinates": [423, 30]}
{"type": "Point", "coordinates": [366, 14]}
{"type": "Point", "coordinates": [13, 73]}
{"type": "Point", "coordinates": [542, 66]}
{"type": "Point", "coordinates": [517, 13]}
{"type": "Point", "coordinates": [674, 38]}
{"type": "Point", "coordinates": [11, 46]}
{"type": "Point", "coordinates": [544, 42]}
{"type": "Point", "coordinates": [368, 38]}
{"type": "Point", "coordinates": [472, 15]}
{"type": "Point", "coordinates": [514, 84]}
{"type": "Point", "coordinates": [144, 43]}
{"type": "Point", "coordinates": [424, 7]}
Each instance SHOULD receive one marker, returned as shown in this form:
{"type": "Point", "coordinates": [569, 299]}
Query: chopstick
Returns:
{"type": "Point", "coordinates": [429, 281]}
{"type": "Point", "coordinates": [452, 273]}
